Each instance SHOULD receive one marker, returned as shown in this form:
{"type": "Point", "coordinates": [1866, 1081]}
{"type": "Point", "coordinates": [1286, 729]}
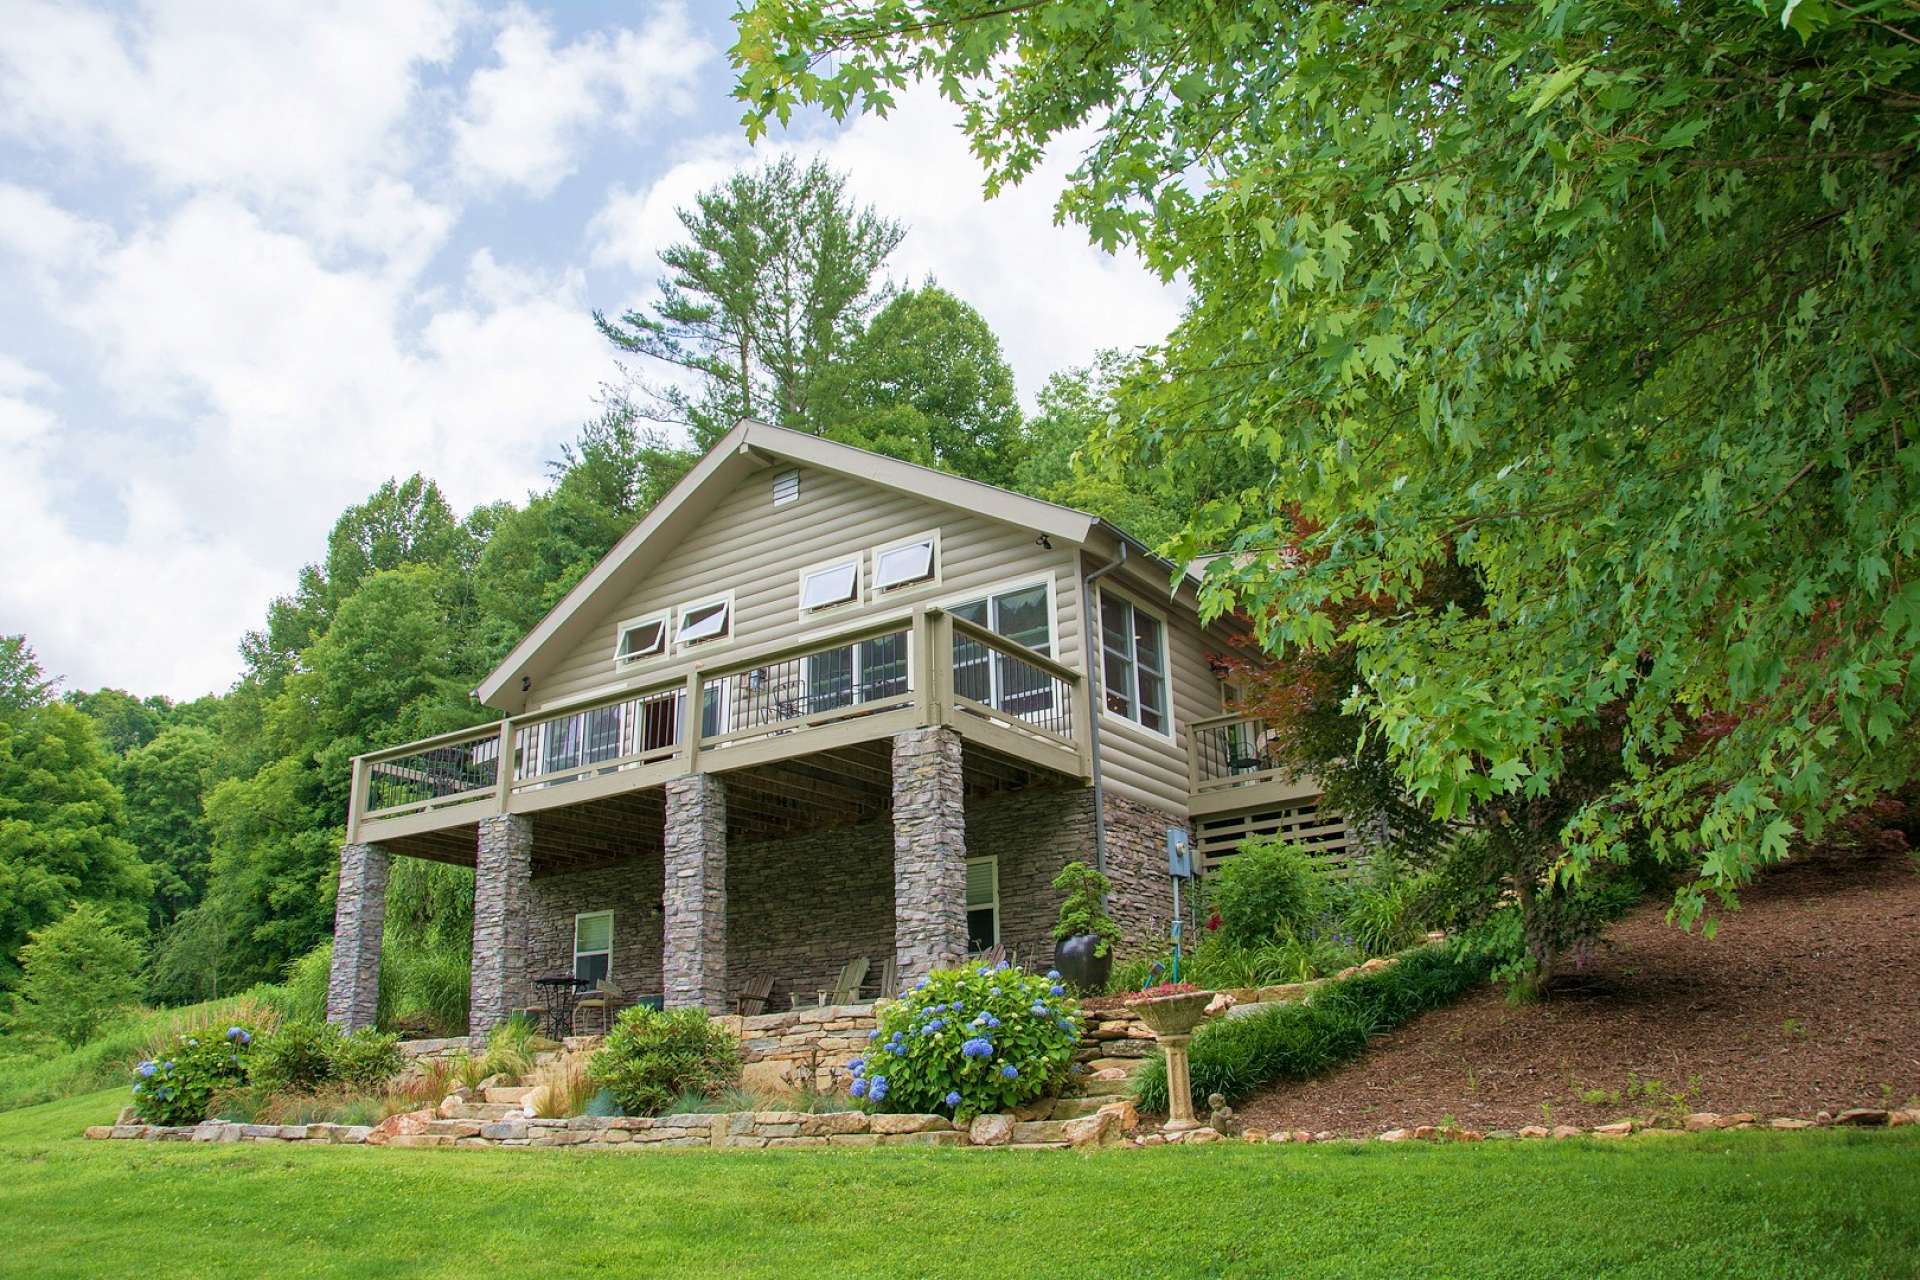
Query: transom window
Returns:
{"type": "Point", "coordinates": [1021, 615]}
{"type": "Point", "coordinates": [904, 564]}
{"type": "Point", "coordinates": [593, 945]}
{"type": "Point", "coordinates": [641, 638]}
{"type": "Point", "coordinates": [708, 620]}
{"type": "Point", "coordinates": [983, 903]}
{"type": "Point", "coordinates": [834, 584]}
{"type": "Point", "coordinates": [1133, 665]}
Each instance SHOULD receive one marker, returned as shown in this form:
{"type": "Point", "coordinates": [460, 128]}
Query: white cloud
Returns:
{"type": "Point", "coordinates": [1052, 297]}
{"type": "Point", "coordinates": [526, 117]}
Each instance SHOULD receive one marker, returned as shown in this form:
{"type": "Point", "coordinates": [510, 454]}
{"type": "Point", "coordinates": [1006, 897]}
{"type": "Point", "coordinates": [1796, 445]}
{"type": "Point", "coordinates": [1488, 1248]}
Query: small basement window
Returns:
{"type": "Point", "coordinates": [903, 565]}
{"type": "Point", "coordinates": [641, 638]}
{"type": "Point", "coordinates": [786, 487]}
{"type": "Point", "coordinates": [593, 945]}
{"type": "Point", "coordinates": [983, 904]}
{"type": "Point", "coordinates": [835, 584]}
{"type": "Point", "coordinates": [707, 621]}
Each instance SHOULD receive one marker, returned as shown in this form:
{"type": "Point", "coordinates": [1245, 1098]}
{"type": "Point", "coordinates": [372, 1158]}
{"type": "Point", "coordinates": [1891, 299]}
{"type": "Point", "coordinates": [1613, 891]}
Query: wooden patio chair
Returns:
{"type": "Point", "coordinates": [753, 1000]}
{"type": "Point", "coordinates": [991, 956]}
{"type": "Point", "coordinates": [605, 999]}
{"type": "Point", "coordinates": [889, 982]}
{"type": "Point", "coordinates": [846, 988]}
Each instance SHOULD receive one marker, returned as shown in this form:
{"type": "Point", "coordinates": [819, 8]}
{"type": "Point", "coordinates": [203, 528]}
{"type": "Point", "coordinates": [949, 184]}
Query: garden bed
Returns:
{"type": "Point", "coordinates": [1804, 1003]}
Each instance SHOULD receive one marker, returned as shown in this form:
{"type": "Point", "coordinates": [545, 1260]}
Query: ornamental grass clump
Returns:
{"type": "Point", "coordinates": [651, 1058]}
{"type": "Point", "coordinates": [968, 1041]}
{"type": "Point", "coordinates": [178, 1086]}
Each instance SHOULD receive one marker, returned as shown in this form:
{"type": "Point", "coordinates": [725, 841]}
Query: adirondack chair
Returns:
{"type": "Point", "coordinates": [846, 988]}
{"type": "Point", "coordinates": [889, 982]}
{"type": "Point", "coordinates": [754, 999]}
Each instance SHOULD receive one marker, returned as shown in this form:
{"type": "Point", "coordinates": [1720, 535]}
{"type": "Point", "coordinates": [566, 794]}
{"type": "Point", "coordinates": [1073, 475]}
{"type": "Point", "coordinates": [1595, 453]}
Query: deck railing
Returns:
{"type": "Point", "coordinates": [1230, 751]}
{"type": "Point", "coordinates": [931, 668]}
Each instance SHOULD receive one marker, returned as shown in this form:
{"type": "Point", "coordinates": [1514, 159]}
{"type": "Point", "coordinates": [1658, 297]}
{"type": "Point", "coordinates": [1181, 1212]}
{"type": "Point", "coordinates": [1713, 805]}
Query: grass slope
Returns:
{"type": "Point", "coordinates": [1744, 1204]}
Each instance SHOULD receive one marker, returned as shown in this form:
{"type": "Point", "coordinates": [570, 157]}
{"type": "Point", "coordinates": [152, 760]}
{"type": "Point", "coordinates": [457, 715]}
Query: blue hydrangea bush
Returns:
{"type": "Point", "coordinates": [178, 1087]}
{"type": "Point", "coordinates": [969, 1041]}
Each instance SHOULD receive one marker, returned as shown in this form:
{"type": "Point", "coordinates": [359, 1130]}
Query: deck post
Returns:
{"type": "Point", "coordinates": [503, 772]}
{"type": "Point", "coordinates": [929, 853]}
{"type": "Point", "coordinates": [694, 903]}
{"type": "Point", "coordinates": [359, 918]}
{"type": "Point", "coordinates": [502, 890]}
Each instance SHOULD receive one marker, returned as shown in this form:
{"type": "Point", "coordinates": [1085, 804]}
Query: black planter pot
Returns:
{"type": "Point", "coordinates": [1077, 963]}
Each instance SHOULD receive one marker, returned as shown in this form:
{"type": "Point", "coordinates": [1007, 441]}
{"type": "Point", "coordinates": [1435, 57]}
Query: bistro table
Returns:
{"type": "Point", "coordinates": [563, 993]}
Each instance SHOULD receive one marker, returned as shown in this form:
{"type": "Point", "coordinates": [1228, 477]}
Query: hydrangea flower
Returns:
{"type": "Point", "coordinates": [147, 1068]}
{"type": "Point", "coordinates": [896, 1048]}
{"type": "Point", "coordinates": [1039, 1009]}
{"type": "Point", "coordinates": [873, 1034]}
{"type": "Point", "coordinates": [878, 1089]}
{"type": "Point", "coordinates": [858, 1088]}
{"type": "Point", "coordinates": [1010, 1071]}
{"type": "Point", "coordinates": [977, 1047]}
{"type": "Point", "coordinates": [857, 1065]}
{"type": "Point", "coordinates": [1002, 967]}
{"type": "Point", "coordinates": [238, 1035]}
{"type": "Point", "coordinates": [1059, 990]}
{"type": "Point", "coordinates": [1053, 975]}
{"type": "Point", "coordinates": [953, 1097]}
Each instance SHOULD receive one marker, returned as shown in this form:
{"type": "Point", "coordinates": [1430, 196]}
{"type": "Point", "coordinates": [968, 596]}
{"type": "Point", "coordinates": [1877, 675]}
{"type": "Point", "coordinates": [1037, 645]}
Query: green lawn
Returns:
{"type": "Point", "coordinates": [1745, 1204]}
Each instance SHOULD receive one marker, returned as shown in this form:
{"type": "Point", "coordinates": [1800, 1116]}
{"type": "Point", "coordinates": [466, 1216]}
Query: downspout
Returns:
{"type": "Point", "coordinates": [1092, 657]}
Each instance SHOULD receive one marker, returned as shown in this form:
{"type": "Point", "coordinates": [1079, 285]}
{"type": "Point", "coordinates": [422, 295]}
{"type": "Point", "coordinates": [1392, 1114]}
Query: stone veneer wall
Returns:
{"type": "Point", "coordinates": [360, 912]}
{"type": "Point", "coordinates": [631, 890]}
{"type": "Point", "coordinates": [799, 909]}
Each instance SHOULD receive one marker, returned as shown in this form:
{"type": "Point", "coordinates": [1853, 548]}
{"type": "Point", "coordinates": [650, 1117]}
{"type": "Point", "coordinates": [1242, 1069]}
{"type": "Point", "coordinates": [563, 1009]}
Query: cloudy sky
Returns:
{"type": "Point", "coordinates": [255, 259]}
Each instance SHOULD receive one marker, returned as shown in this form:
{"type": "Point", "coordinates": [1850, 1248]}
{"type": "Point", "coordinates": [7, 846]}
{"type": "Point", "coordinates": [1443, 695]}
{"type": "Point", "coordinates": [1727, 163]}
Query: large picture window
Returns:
{"type": "Point", "coordinates": [1133, 668]}
{"type": "Point", "coordinates": [1022, 615]}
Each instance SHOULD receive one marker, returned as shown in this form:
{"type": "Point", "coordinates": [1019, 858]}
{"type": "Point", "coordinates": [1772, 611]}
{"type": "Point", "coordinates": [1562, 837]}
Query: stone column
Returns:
{"type": "Point", "coordinates": [929, 853]}
{"type": "Point", "coordinates": [359, 917]}
{"type": "Point", "coordinates": [694, 904]}
{"type": "Point", "coordinates": [502, 874]}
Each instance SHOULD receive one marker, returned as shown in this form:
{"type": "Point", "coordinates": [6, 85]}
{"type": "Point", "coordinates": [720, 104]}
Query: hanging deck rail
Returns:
{"type": "Point", "coordinates": [776, 702]}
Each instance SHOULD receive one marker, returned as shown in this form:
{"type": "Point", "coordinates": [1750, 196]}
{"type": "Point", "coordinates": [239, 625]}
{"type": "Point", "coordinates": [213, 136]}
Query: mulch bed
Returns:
{"type": "Point", "coordinates": [1808, 999]}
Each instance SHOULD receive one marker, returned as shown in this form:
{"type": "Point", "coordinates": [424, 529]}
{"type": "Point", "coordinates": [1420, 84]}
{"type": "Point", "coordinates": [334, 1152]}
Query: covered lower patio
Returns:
{"type": "Point", "coordinates": [708, 885]}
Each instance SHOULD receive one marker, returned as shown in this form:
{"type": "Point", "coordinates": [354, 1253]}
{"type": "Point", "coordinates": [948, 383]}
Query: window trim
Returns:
{"type": "Point", "coordinates": [994, 859]}
{"type": "Point", "coordinates": [622, 661]}
{"type": "Point", "coordinates": [1097, 663]}
{"type": "Point", "coordinates": [578, 916]}
{"type": "Point", "coordinates": [858, 598]}
{"type": "Point", "coordinates": [932, 580]}
{"type": "Point", "coordinates": [680, 612]}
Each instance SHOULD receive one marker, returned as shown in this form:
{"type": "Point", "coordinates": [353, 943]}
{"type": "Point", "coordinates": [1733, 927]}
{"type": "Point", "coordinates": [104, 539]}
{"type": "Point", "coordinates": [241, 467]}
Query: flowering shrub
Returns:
{"type": "Point", "coordinates": [178, 1087]}
{"type": "Point", "coordinates": [301, 1057]}
{"type": "Point", "coordinates": [650, 1058]}
{"type": "Point", "coordinates": [967, 1041]}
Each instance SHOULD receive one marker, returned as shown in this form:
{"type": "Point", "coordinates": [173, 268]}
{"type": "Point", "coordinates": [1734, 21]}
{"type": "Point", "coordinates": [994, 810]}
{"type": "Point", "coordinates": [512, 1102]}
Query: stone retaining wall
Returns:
{"type": "Point", "coordinates": [736, 1130]}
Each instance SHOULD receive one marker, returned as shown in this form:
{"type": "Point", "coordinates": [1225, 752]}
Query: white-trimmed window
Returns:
{"type": "Point", "coordinates": [983, 904]}
{"type": "Point", "coordinates": [1023, 614]}
{"type": "Point", "coordinates": [907, 562]}
{"type": "Point", "coordinates": [1133, 667]}
{"type": "Point", "coordinates": [593, 945]}
{"type": "Point", "coordinates": [828, 585]}
{"type": "Point", "coordinates": [704, 621]}
{"type": "Point", "coordinates": [640, 638]}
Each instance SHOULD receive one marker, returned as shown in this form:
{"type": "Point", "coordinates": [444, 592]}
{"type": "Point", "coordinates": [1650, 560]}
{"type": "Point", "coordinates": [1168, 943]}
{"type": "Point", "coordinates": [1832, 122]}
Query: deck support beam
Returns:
{"type": "Point", "coordinates": [929, 853]}
{"type": "Point", "coordinates": [359, 919]}
{"type": "Point", "coordinates": [502, 894]}
{"type": "Point", "coordinates": [694, 904]}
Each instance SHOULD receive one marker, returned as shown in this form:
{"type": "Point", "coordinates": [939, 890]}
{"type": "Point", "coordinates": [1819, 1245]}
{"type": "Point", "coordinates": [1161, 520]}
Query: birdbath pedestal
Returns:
{"type": "Point", "coordinates": [1172, 1019]}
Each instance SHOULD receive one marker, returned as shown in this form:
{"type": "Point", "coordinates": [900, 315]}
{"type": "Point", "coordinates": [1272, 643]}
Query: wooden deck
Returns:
{"type": "Point", "coordinates": [799, 721]}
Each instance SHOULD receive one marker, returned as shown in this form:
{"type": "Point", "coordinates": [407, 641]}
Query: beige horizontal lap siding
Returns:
{"type": "Point", "coordinates": [1135, 762]}
{"type": "Point", "coordinates": [756, 550]}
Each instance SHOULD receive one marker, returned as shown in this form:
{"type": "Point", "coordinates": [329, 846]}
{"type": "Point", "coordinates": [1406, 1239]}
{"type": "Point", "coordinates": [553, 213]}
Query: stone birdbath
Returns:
{"type": "Point", "coordinates": [1171, 1012]}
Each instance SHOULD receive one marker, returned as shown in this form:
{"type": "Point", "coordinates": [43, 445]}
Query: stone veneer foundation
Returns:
{"type": "Point", "coordinates": [799, 909]}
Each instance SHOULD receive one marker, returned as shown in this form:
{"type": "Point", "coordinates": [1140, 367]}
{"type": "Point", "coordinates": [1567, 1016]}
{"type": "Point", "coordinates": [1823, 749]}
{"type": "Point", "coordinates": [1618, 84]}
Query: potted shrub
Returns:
{"type": "Point", "coordinates": [1084, 935]}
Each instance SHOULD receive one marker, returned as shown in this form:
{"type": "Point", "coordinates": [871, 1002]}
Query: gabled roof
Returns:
{"type": "Point", "coordinates": [747, 448]}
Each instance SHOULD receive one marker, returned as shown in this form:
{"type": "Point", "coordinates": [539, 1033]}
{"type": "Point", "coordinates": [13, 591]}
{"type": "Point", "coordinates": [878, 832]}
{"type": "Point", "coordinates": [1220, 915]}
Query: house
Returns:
{"type": "Point", "coordinates": [819, 705]}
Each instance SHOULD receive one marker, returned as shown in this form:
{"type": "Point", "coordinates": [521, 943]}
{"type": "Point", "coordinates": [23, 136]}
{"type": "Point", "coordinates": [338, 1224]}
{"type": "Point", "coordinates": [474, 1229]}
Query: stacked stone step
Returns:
{"type": "Point", "coordinates": [1114, 1044]}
